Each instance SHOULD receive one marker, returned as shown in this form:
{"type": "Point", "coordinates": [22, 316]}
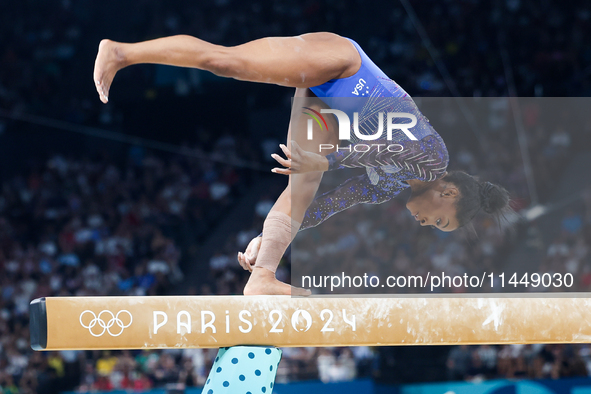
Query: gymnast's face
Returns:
{"type": "Point", "coordinates": [435, 206]}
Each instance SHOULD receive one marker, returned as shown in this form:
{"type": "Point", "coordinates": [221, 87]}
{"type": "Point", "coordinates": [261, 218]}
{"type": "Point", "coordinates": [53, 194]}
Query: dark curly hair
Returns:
{"type": "Point", "coordinates": [476, 196]}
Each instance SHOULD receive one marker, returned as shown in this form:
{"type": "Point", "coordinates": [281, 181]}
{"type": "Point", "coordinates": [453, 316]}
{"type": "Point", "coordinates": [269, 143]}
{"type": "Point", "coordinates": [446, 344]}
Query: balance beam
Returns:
{"type": "Point", "coordinates": [60, 323]}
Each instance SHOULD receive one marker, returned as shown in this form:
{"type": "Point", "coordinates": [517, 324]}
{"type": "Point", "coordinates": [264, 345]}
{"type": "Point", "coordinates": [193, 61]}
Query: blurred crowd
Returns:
{"type": "Point", "coordinates": [75, 225]}
{"type": "Point", "coordinates": [91, 226]}
{"type": "Point", "coordinates": [44, 47]}
{"type": "Point", "coordinates": [569, 251]}
{"type": "Point", "coordinates": [537, 361]}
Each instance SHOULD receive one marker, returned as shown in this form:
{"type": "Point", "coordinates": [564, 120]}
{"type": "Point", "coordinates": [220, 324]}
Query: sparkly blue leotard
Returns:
{"type": "Point", "coordinates": [425, 159]}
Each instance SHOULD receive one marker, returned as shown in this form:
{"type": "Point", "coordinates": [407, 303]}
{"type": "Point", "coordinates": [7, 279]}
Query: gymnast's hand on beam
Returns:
{"type": "Point", "coordinates": [249, 257]}
{"type": "Point", "coordinates": [299, 161]}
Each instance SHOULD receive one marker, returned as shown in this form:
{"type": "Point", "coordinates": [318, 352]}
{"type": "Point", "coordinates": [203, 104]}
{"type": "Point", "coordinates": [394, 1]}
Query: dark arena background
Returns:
{"type": "Point", "coordinates": [157, 191]}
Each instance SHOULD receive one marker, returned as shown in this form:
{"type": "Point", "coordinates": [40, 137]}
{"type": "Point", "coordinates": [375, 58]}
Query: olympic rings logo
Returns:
{"type": "Point", "coordinates": [106, 326]}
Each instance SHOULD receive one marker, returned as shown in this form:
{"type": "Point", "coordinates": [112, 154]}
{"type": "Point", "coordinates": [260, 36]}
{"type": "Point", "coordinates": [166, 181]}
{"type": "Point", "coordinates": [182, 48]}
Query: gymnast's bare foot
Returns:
{"type": "Point", "coordinates": [109, 60]}
{"type": "Point", "coordinates": [263, 282]}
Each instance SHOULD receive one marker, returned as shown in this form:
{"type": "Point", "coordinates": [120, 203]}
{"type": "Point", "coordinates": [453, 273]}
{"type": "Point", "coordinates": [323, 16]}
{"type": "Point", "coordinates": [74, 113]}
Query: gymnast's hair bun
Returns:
{"type": "Point", "coordinates": [493, 198]}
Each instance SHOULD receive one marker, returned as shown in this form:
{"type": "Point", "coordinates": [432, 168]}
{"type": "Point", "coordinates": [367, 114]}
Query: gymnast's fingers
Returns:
{"type": "Point", "coordinates": [247, 264]}
{"type": "Point", "coordinates": [283, 171]}
{"type": "Point", "coordinates": [243, 262]}
{"type": "Point", "coordinates": [281, 160]}
{"type": "Point", "coordinates": [286, 150]}
{"type": "Point", "coordinates": [252, 250]}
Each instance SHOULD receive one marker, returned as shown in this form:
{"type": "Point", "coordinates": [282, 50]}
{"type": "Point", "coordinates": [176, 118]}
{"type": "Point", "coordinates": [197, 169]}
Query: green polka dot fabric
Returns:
{"type": "Point", "coordinates": [243, 370]}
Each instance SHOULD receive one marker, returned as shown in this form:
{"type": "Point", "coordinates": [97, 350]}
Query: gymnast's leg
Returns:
{"type": "Point", "coordinates": [284, 219]}
{"type": "Point", "coordinates": [302, 61]}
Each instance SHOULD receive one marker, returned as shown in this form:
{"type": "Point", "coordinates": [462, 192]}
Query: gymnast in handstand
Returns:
{"type": "Point", "coordinates": [326, 66]}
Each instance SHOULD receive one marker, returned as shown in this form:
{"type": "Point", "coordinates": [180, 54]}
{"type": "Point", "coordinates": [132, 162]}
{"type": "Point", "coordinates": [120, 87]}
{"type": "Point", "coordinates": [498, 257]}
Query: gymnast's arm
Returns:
{"type": "Point", "coordinates": [356, 190]}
